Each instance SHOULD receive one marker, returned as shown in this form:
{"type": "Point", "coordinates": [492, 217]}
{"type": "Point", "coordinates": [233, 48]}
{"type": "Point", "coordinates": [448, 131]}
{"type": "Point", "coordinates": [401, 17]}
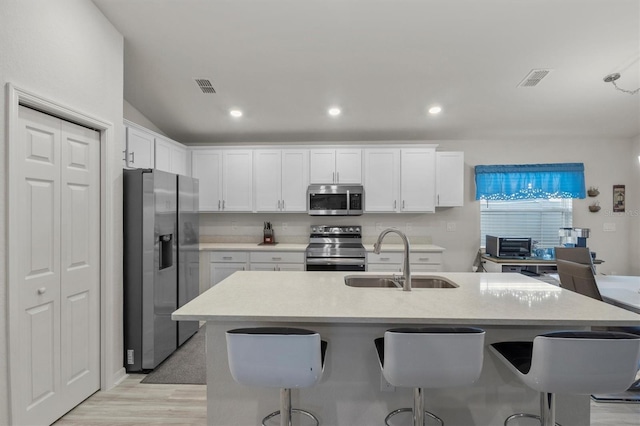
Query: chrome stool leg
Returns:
{"type": "Point", "coordinates": [418, 411]}
{"type": "Point", "coordinates": [286, 410]}
{"type": "Point", "coordinates": [547, 415]}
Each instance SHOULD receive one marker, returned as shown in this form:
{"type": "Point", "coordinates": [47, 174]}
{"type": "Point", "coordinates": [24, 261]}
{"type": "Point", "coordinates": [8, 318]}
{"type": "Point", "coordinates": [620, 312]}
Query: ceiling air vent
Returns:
{"type": "Point", "coordinates": [534, 78]}
{"type": "Point", "coordinates": [205, 85]}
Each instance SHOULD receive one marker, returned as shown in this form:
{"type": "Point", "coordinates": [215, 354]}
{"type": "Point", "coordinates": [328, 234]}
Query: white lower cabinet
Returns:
{"type": "Point", "coordinates": [394, 261]}
{"type": "Point", "coordinates": [224, 263]}
{"type": "Point", "coordinates": [277, 261]}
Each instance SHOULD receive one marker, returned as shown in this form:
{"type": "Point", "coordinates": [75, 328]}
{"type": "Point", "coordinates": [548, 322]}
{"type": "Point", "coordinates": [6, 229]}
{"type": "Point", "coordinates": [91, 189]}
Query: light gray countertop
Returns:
{"type": "Point", "coordinates": [418, 248]}
{"type": "Point", "coordinates": [322, 297]}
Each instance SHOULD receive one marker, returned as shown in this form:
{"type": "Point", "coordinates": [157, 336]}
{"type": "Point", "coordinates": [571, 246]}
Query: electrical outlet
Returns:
{"type": "Point", "coordinates": [408, 227]}
{"type": "Point", "coordinates": [608, 227]}
{"type": "Point", "coordinates": [386, 386]}
{"type": "Point", "coordinates": [284, 226]}
{"type": "Point", "coordinates": [378, 227]}
{"type": "Point", "coordinates": [234, 226]}
{"type": "Point", "coordinates": [451, 227]}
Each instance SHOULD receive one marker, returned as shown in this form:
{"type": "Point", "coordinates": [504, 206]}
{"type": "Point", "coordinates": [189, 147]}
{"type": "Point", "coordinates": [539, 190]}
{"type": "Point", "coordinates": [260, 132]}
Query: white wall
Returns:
{"type": "Point", "coordinates": [607, 162]}
{"type": "Point", "coordinates": [65, 51]}
{"type": "Point", "coordinates": [135, 116]}
{"type": "Point", "coordinates": [633, 208]}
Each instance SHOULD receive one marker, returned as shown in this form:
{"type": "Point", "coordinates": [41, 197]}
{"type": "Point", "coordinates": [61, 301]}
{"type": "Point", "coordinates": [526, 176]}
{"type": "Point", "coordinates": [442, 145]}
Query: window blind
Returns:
{"type": "Point", "coordinates": [539, 219]}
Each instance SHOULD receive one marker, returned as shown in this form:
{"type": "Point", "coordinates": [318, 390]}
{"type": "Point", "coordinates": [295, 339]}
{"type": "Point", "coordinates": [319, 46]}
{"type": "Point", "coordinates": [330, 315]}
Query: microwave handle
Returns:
{"type": "Point", "coordinates": [348, 202]}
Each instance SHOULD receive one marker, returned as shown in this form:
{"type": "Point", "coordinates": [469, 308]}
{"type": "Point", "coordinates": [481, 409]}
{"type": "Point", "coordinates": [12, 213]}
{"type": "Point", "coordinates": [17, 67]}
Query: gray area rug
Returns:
{"type": "Point", "coordinates": [186, 366]}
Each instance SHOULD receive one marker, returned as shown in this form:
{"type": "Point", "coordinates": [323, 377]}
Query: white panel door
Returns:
{"type": "Point", "coordinates": [178, 160]}
{"type": "Point", "coordinates": [38, 278]}
{"type": "Point", "coordinates": [162, 155]}
{"type": "Point", "coordinates": [449, 179]}
{"type": "Point", "coordinates": [237, 180]}
{"type": "Point", "coordinates": [206, 166]}
{"type": "Point", "coordinates": [140, 149]}
{"type": "Point", "coordinates": [322, 166]}
{"type": "Point", "coordinates": [80, 263]}
{"type": "Point", "coordinates": [417, 181]}
{"type": "Point", "coordinates": [349, 166]}
{"type": "Point", "coordinates": [295, 180]}
{"type": "Point", "coordinates": [58, 267]}
{"type": "Point", "coordinates": [381, 175]}
{"type": "Point", "coordinates": [267, 166]}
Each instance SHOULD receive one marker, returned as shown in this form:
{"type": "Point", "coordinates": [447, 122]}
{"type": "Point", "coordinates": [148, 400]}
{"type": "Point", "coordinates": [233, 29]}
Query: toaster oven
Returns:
{"type": "Point", "coordinates": [509, 247]}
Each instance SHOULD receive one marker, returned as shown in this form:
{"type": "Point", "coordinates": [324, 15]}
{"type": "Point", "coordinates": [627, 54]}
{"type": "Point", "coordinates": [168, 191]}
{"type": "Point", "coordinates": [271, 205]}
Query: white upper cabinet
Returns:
{"type": "Point", "coordinates": [381, 179]}
{"type": "Point", "coordinates": [417, 180]}
{"type": "Point", "coordinates": [225, 177]}
{"type": "Point", "coordinates": [206, 166]}
{"type": "Point", "coordinates": [281, 180]}
{"type": "Point", "coordinates": [170, 156]}
{"type": "Point", "coordinates": [336, 166]}
{"type": "Point", "coordinates": [449, 179]}
{"type": "Point", "coordinates": [139, 152]}
{"type": "Point", "coordinates": [399, 180]}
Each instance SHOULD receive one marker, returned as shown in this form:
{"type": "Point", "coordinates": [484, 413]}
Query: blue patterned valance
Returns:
{"type": "Point", "coordinates": [525, 181]}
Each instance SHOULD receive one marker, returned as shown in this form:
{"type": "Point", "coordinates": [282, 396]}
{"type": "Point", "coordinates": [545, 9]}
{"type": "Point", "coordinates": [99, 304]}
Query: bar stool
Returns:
{"type": "Point", "coordinates": [429, 357]}
{"type": "Point", "coordinates": [279, 357]}
{"type": "Point", "coordinates": [574, 362]}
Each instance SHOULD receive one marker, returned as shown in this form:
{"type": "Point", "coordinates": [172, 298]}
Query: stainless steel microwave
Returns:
{"type": "Point", "coordinates": [512, 247]}
{"type": "Point", "coordinates": [335, 200]}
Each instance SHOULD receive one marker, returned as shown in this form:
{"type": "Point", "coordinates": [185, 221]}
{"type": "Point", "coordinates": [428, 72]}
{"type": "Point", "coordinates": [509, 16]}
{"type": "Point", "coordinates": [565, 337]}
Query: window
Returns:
{"type": "Point", "coordinates": [539, 219]}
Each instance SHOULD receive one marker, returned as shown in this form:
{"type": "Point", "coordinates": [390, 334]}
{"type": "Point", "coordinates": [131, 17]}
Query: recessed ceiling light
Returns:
{"type": "Point", "coordinates": [334, 111]}
{"type": "Point", "coordinates": [435, 110]}
{"type": "Point", "coordinates": [235, 113]}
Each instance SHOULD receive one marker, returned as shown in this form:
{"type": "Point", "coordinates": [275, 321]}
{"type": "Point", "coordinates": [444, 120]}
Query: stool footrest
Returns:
{"type": "Point", "coordinates": [410, 410]}
{"type": "Point", "coordinates": [293, 410]}
{"type": "Point", "coordinates": [526, 415]}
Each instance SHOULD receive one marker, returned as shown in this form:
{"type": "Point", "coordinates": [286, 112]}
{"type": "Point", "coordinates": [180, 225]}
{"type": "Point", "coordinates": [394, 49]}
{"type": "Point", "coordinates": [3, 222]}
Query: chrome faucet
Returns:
{"type": "Point", "coordinates": [406, 270]}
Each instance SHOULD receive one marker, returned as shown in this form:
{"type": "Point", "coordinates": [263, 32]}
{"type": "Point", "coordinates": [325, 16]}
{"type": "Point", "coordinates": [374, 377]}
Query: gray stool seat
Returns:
{"type": "Point", "coordinates": [573, 362]}
{"type": "Point", "coordinates": [429, 357]}
{"type": "Point", "coordinates": [280, 357]}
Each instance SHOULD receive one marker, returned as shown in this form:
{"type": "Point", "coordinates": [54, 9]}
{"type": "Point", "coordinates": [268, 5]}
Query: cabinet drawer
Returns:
{"type": "Point", "coordinates": [385, 257]}
{"type": "Point", "coordinates": [425, 267]}
{"type": "Point", "coordinates": [429, 258]}
{"type": "Point", "coordinates": [229, 256]}
{"type": "Point", "coordinates": [276, 256]}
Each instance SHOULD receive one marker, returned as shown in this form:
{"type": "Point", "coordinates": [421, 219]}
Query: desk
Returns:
{"type": "Point", "coordinates": [620, 290]}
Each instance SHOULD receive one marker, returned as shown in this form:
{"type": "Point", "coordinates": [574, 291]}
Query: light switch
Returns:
{"type": "Point", "coordinates": [451, 226]}
{"type": "Point", "coordinates": [609, 227]}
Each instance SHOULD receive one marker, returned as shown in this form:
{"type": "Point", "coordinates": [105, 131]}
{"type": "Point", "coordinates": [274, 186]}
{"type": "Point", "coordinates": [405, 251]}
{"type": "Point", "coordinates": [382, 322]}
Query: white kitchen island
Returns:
{"type": "Point", "coordinates": [507, 306]}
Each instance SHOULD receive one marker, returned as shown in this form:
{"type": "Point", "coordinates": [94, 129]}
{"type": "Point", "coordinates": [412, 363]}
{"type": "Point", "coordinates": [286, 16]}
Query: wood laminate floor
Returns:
{"type": "Point", "coordinates": [132, 403]}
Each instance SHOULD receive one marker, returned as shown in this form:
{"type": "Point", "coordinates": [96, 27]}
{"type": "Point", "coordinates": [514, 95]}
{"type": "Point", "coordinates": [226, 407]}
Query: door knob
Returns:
{"type": "Point", "coordinates": [42, 290]}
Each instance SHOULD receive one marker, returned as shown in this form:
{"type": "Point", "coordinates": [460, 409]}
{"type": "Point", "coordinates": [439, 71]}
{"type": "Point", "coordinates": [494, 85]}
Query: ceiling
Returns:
{"type": "Point", "coordinates": [384, 63]}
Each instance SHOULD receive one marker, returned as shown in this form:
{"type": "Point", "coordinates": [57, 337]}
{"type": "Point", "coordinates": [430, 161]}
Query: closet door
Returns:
{"type": "Point", "coordinates": [58, 264]}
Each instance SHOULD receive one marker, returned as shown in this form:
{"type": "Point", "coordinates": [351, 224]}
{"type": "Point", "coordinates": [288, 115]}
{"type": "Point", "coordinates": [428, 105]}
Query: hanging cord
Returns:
{"type": "Point", "coordinates": [611, 78]}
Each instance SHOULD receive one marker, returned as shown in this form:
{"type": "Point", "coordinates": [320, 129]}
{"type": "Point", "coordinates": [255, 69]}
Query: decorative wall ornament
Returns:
{"type": "Point", "coordinates": [618, 198]}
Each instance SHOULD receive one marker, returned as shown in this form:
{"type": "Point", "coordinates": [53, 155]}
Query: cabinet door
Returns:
{"type": "Point", "coordinates": [220, 271]}
{"type": "Point", "coordinates": [163, 155]}
{"type": "Point", "coordinates": [417, 180]}
{"type": "Point", "coordinates": [140, 148]}
{"type": "Point", "coordinates": [291, 267]}
{"type": "Point", "coordinates": [381, 176]}
{"type": "Point", "coordinates": [267, 168]}
{"type": "Point", "coordinates": [295, 180]}
{"type": "Point", "coordinates": [206, 166]}
{"type": "Point", "coordinates": [322, 166]}
{"type": "Point", "coordinates": [449, 179]}
{"type": "Point", "coordinates": [237, 180]}
{"type": "Point", "coordinates": [178, 159]}
{"type": "Point", "coordinates": [349, 166]}
{"type": "Point", "coordinates": [264, 266]}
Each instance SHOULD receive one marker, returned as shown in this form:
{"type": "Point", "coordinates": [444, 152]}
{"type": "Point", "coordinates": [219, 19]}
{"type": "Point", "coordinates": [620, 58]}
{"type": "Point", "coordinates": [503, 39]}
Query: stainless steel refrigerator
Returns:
{"type": "Point", "coordinates": [160, 263]}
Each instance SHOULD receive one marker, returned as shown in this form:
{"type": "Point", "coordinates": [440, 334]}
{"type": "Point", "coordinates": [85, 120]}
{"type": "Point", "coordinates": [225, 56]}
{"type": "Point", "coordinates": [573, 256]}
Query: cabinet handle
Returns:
{"type": "Point", "coordinates": [282, 204]}
{"type": "Point", "coordinates": [395, 202]}
{"type": "Point", "coordinates": [222, 204]}
{"type": "Point", "coordinates": [337, 177]}
{"type": "Point", "coordinates": [385, 258]}
{"type": "Point", "coordinates": [42, 290]}
{"type": "Point", "coordinates": [218, 204]}
{"type": "Point", "coordinates": [438, 199]}
{"type": "Point", "coordinates": [125, 155]}
{"type": "Point", "coordinates": [424, 259]}
{"type": "Point", "coordinates": [403, 204]}
{"type": "Point", "coordinates": [278, 204]}
{"type": "Point", "coordinates": [243, 268]}
{"type": "Point", "coordinates": [227, 257]}
{"type": "Point", "coordinates": [276, 258]}
{"type": "Point", "coordinates": [333, 177]}
{"type": "Point", "coordinates": [133, 158]}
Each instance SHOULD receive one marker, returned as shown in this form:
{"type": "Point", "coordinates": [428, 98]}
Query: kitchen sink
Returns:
{"type": "Point", "coordinates": [388, 281]}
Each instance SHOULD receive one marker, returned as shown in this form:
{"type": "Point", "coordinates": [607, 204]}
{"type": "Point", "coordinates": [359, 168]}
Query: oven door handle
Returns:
{"type": "Point", "coordinates": [335, 261]}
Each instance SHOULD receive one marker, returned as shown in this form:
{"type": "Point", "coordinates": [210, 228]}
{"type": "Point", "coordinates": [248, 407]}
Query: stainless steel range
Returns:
{"type": "Point", "coordinates": [336, 248]}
